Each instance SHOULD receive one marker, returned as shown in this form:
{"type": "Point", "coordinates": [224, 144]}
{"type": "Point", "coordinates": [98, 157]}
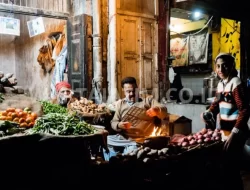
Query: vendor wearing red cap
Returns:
{"type": "Point", "coordinates": [64, 93]}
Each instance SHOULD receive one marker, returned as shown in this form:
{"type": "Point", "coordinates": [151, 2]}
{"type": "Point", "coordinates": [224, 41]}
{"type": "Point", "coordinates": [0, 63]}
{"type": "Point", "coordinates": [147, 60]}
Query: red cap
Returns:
{"type": "Point", "coordinates": [59, 85]}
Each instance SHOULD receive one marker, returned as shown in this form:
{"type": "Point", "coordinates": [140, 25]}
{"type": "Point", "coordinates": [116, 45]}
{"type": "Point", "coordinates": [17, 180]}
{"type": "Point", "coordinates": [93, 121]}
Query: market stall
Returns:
{"type": "Point", "coordinates": [62, 149]}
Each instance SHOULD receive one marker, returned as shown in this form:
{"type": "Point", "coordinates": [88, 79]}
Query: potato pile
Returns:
{"type": "Point", "coordinates": [177, 146]}
{"type": "Point", "coordinates": [203, 136]}
{"type": "Point", "coordinates": [85, 106]}
{"type": "Point", "coordinates": [146, 154]}
{"type": "Point", "coordinates": [24, 117]}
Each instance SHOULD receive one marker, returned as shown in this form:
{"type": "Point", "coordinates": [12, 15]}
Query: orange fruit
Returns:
{"type": "Point", "coordinates": [10, 109]}
{"type": "Point", "coordinates": [23, 124]}
{"type": "Point", "coordinates": [21, 120]}
{"type": "Point", "coordinates": [3, 118]}
{"type": "Point", "coordinates": [9, 118]}
{"type": "Point", "coordinates": [34, 115]}
{"type": "Point", "coordinates": [4, 113]}
{"type": "Point", "coordinates": [25, 114]}
{"type": "Point", "coordinates": [13, 115]}
{"type": "Point", "coordinates": [31, 124]}
{"type": "Point", "coordinates": [20, 114]}
{"type": "Point", "coordinates": [29, 119]}
{"type": "Point", "coordinates": [16, 120]}
{"type": "Point", "coordinates": [17, 110]}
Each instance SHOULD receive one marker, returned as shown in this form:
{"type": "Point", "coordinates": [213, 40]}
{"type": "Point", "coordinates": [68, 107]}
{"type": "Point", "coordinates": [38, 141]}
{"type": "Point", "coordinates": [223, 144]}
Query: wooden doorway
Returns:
{"type": "Point", "coordinates": [136, 50]}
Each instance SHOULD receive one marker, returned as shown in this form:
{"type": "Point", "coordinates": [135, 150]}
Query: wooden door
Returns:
{"type": "Point", "coordinates": [77, 54]}
{"type": "Point", "coordinates": [136, 47]}
{"type": "Point", "coordinates": [147, 52]}
{"type": "Point", "coordinates": [129, 40]}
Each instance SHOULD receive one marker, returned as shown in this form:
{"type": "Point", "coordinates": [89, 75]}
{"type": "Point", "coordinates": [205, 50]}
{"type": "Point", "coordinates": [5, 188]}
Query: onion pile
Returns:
{"type": "Point", "coordinates": [203, 136]}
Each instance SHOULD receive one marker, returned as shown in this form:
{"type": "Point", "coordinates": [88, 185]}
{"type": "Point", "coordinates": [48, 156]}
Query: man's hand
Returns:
{"type": "Point", "coordinates": [154, 111]}
{"type": "Point", "coordinates": [124, 125]}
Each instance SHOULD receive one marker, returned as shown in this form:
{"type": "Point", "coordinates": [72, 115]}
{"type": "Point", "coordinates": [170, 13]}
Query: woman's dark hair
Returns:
{"type": "Point", "coordinates": [230, 61]}
{"type": "Point", "coordinates": [128, 80]}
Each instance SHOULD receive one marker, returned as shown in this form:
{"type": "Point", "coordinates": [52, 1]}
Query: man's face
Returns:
{"type": "Point", "coordinates": [65, 91]}
{"type": "Point", "coordinates": [130, 92]}
{"type": "Point", "coordinates": [64, 95]}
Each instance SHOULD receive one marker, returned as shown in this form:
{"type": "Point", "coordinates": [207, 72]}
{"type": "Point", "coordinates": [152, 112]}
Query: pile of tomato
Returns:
{"type": "Point", "coordinates": [24, 117]}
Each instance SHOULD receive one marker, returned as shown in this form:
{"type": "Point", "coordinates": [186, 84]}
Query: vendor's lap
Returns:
{"type": "Point", "coordinates": [117, 144]}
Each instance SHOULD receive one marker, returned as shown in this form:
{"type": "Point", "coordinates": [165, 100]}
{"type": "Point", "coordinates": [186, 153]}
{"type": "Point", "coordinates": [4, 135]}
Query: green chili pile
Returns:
{"type": "Point", "coordinates": [61, 124]}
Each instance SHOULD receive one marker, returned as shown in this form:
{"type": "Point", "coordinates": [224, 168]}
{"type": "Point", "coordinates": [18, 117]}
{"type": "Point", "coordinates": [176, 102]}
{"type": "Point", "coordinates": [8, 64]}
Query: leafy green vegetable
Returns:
{"type": "Point", "coordinates": [4, 125]}
{"type": "Point", "coordinates": [9, 128]}
{"type": "Point", "coordinates": [1, 98]}
{"type": "Point", "coordinates": [61, 124]}
{"type": "Point", "coordinates": [49, 107]}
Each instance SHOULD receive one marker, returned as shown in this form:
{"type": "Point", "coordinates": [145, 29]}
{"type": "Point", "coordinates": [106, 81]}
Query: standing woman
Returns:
{"type": "Point", "coordinates": [231, 105]}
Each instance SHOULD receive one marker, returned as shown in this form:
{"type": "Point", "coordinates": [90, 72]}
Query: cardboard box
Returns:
{"type": "Point", "coordinates": [179, 125]}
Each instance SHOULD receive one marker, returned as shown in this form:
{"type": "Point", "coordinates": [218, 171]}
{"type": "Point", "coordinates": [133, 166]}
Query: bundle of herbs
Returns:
{"type": "Point", "coordinates": [61, 124]}
{"type": "Point", "coordinates": [1, 98]}
{"type": "Point", "coordinates": [49, 107]}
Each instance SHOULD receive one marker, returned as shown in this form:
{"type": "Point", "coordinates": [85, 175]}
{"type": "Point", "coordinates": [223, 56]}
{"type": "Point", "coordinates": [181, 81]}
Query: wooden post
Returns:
{"type": "Point", "coordinates": [112, 59]}
{"type": "Point", "coordinates": [97, 50]}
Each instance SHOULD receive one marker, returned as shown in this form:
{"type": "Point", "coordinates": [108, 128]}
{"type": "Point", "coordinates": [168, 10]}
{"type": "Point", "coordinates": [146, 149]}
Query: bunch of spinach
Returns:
{"type": "Point", "coordinates": [61, 124]}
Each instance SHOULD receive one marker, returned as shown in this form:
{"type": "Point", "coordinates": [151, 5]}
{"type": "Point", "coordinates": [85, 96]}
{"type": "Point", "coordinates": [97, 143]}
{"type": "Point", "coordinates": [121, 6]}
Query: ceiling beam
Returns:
{"type": "Point", "coordinates": [9, 8]}
{"type": "Point", "coordinates": [179, 13]}
{"type": "Point", "coordinates": [221, 8]}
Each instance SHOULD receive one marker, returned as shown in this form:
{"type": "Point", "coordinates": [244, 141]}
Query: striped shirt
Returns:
{"type": "Point", "coordinates": [231, 102]}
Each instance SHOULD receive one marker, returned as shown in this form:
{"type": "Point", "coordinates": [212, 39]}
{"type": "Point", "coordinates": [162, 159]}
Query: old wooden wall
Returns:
{"type": "Point", "coordinates": [29, 73]}
{"type": "Point", "coordinates": [7, 57]}
{"type": "Point", "coordinates": [18, 54]}
{"type": "Point", "coordinates": [82, 7]}
{"type": "Point", "coordinates": [137, 6]}
{"type": "Point", "coordinates": [85, 7]}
